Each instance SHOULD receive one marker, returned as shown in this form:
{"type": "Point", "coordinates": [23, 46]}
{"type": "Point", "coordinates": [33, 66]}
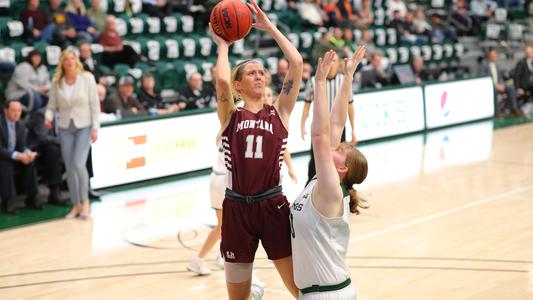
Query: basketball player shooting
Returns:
{"type": "Point", "coordinates": [254, 138]}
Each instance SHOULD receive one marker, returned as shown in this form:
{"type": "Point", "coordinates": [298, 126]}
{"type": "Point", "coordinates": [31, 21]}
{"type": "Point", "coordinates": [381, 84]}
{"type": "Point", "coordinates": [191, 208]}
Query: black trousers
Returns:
{"type": "Point", "coordinates": [15, 176]}
{"type": "Point", "coordinates": [52, 165]}
{"type": "Point", "coordinates": [311, 170]}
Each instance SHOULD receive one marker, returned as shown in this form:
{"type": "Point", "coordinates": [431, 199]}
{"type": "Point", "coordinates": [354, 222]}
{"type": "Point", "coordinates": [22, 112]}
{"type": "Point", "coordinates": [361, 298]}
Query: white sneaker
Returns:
{"type": "Point", "coordinates": [258, 288]}
{"type": "Point", "coordinates": [199, 266]}
{"type": "Point", "coordinates": [220, 261]}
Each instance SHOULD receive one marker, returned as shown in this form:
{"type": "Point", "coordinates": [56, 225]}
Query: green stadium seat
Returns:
{"type": "Point", "coordinates": [171, 23]}
{"type": "Point", "coordinates": [380, 37]}
{"type": "Point", "coordinates": [172, 47]}
{"type": "Point", "coordinates": [207, 47]}
{"type": "Point", "coordinates": [52, 55]}
{"type": "Point", "coordinates": [392, 54]}
{"type": "Point", "coordinates": [153, 50]}
{"type": "Point", "coordinates": [153, 24]}
{"type": "Point", "coordinates": [438, 52]}
{"type": "Point", "coordinates": [403, 55]}
{"type": "Point", "coordinates": [8, 54]}
{"type": "Point", "coordinates": [426, 52]}
{"type": "Point", "coordinates": [121, 70]}
{"type": "Point", "coordinates": [189, 47]}
{"type": "Point", "coordinates": [187, 24]}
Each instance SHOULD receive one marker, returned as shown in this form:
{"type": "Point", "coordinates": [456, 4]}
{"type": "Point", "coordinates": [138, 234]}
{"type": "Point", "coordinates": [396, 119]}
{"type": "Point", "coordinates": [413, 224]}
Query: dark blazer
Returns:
{"type": "Point", "coordinates": [38, 134]}
{"type": "Point", "coordinates": [21, 138]}
{"type": "Point", "coordinates": [523, 77]}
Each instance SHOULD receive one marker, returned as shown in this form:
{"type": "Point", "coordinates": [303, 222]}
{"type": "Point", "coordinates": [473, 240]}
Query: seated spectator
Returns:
{"type": "Point", "coordinates": [324, 45]}
{"type": "Point", "coordinates": [281, 72]}
{"type": "Point", "coordinates": [306, 75]}
{"type": "Point", "coordinates": [16, 159]}
{"type": "Point", "coordinates": [115, 51]}
{"type": "Point", "coordinates": [36, 25]}
{"type": "Point", "coordinates": [408, 35]}
{"type": "Point", "coordinates": [349, 42]}
{"type": "Point", "coordinates": [396, 5]}
{"type": "Point", "coordinates": [77, 15]}
{"type": "Point", "coordinates": [489, 66]}
{"type": "Point", "coordinates": [195, 96]}
{"type": "Point", "coordinates": [333, 15]}
{"type": "Point", "coordinates": [90, 64]}
{"type": "Point", "coordinates": [337, 38]}
{"type": "Point", "coordinates": [441, 31]}
{"type": "Point", "coordinates": [368, 42]}
{"type": "Point", "coordinates": [97, 15]}
{"type": "Point", "coordinates": [375, 75]}
{"type": "Point", "coordinates": [422, 26]}
{"type": "Point", "coordinates": [348, 14]}
{"type": "Point", "coordinates": [46, 142]}
{"type": "Point", "coordinates": [311, 13]}
{"type": "Point", "coordinates": [123, 101]}
{"type": "Point", "coordinates": [420, 72]}
{"type": "Point", "coordinates": [460, 17]}
{"type": "Point", "coordinates": [30, 82]}
{"type": "Point", "coordinates": [523, 74]}
{"type": "Point", "coordinates": [366, 15]}
{"type": "Point", "coordinates": [150, 99]}
{"type": "Point", "coordinates": [157, 8]}
{"type": "Point", "coordinates": [63, 30]}
{"type": "Point", "coordinates": [480, 12]}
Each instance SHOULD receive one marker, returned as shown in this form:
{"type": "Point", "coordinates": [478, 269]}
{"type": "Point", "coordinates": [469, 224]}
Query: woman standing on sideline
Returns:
{"type": "Point", "coordinates": [320, 215]}
{"type": "Point", "coordinates": [74, 96]}
{"type": "Point", "coordinates": [254, 138]}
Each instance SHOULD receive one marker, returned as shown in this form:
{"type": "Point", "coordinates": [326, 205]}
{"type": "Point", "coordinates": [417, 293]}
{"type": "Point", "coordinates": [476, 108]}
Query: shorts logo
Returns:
{"type": "Point", "coordinates": [230, 255]}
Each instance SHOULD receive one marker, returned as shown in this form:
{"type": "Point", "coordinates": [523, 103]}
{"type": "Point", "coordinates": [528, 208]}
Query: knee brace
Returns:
{"type": "Point", "coordinates": [238, 272]}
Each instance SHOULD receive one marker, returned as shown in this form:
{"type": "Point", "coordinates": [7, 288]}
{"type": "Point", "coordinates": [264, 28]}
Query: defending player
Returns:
{"type": "Point", "coordinates": [320, 215]}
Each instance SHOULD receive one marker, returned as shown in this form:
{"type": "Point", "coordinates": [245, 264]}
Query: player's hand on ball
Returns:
{"type": "Point", "coordinates": [216, 38]}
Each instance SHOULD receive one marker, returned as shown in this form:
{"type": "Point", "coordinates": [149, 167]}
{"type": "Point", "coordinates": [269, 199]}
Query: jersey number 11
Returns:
{"type": "Point", "coordinates": [258, 147]}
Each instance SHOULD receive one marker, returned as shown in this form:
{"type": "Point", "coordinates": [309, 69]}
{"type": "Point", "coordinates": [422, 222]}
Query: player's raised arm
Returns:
{"type": "Point", "coordinates": [327, 190]}
{"type": "Point", "coordinates": [225, 104]}
{"type": "Point", "coordinates": [339, 110]}
{"type": "Point", "coordinates": [291, 84]}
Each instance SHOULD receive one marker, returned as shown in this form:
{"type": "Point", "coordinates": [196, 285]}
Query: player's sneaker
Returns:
{"type": "Point", "coordinates": [258, 288]}
{"type": "Point", "coordinates": [220, 261]}
{"type": "Point", "coordinates": [199, 266]}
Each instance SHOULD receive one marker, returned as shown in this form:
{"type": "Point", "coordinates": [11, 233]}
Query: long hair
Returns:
{"type": "Point", "coordinates": [30, 56]}
{"type": "Point", "coordinates": [357, 171]}
{"type": "Point", "coordinates": [58, 76]}
{"type": "Point", "coordinates": [236, 75]}
{"type": "Point", "coordinates": [82, 11]}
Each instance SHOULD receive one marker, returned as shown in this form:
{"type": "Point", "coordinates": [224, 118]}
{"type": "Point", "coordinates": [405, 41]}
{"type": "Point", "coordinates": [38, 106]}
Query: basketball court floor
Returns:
{"type": "Point", "coordinates": [451, 217]}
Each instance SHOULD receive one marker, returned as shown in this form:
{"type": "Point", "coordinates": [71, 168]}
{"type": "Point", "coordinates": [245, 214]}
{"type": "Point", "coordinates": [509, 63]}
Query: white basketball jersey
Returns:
{"type": "Point", "coordinates": [319, 244]}
{"type": "Point", "coordinates": [219, 168]}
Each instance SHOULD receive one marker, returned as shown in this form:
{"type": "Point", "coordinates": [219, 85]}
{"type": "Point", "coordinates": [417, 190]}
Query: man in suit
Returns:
{"type": "Point", "coordinates": [489, 66]}
{"type": "Point", "coordinates": [16, 160]}
{"type": "Point", "coordinates": [90, 64]}
{"type": "Point", "coordinates": [46, 142]}
{"type": "Point", "coordinates": [523, 73]}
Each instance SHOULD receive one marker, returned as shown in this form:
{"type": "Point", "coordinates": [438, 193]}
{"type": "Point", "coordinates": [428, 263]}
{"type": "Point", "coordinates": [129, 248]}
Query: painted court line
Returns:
{"type": "Point", "coordinates": [440, 214]}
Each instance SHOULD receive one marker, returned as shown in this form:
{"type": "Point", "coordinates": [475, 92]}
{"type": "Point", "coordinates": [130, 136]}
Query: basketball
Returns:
{"type": "Point", "coordinates": [231, 19]}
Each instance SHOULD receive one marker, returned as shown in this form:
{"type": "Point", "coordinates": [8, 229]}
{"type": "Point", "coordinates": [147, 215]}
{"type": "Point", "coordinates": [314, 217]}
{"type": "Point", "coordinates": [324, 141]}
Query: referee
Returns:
{"type": "Point", "coordinates": [334, 80]}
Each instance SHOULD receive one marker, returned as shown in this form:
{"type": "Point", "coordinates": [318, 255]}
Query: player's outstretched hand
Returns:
{"type": "Point", "coordinates": [350, 64]}
{"type": "Point", "coordinates": [323, 66]}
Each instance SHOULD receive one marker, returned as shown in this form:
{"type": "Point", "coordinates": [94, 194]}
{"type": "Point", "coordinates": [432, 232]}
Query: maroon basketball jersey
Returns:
{"type": "Point", "coordinates": [254, 145]}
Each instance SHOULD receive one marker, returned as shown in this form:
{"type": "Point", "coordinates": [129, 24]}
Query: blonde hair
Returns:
{"type": "Point", "coordinates": [236, 75]}
{"type": "Point", "coordinates": [58, 76]}
{"type": "Point", "coordinates": [71, 9]}
{"type": "Point", "coordinates": [357, 171]}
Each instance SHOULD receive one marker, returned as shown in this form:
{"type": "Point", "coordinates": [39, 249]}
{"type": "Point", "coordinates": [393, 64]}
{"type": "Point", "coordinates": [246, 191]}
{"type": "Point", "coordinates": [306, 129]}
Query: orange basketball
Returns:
{"type": "Point", "coordinates": [231, 19]}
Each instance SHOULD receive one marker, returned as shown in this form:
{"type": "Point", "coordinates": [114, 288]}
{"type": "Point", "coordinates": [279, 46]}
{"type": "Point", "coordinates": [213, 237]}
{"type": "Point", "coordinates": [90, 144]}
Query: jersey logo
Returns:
{"type": "Point", "coordinates": [280, 206]}
{"type": "Point", "coordinates": [230, 255]}
{"type": "Point", "coordinates": [272, 112]}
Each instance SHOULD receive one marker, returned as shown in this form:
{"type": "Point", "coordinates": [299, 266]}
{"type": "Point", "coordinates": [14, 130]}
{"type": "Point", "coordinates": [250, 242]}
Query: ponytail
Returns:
{"type": "Point", "coordinates": [355, 201]}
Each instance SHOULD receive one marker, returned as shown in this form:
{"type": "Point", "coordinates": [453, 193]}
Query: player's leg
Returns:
{"type": "Point", "coordinates": [212, 237]}
{"type": "Point", "coordinates": [238, 280]}
{"type": "Point", "coordinates": [284, 267]}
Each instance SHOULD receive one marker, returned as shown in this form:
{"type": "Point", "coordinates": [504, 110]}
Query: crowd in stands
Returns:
{"type": "Point", "coordinates": [386, 28]}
